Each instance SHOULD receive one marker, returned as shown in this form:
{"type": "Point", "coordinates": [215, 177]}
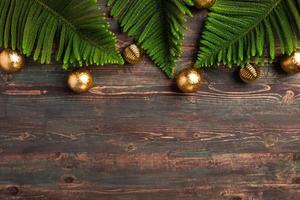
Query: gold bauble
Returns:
{"type": "Point", "coordinates": [132, 54]}
{"type": "Point", "coordinates": [291, 64]}
{"type": "Point", "coordinates": [189, 80]}
{"type": "Point", "coordinates": [204, 4]}
{"type": "Point", "coordinates": [80, 81]}
{"type": "Point", "coordinates": [250, 73]}
{"type": "Point", "coordinates": [11, 61]}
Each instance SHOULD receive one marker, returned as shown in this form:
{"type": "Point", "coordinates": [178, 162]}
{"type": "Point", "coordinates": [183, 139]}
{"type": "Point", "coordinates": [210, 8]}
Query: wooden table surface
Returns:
{"type": "Point", "coordinates": [134, 136]}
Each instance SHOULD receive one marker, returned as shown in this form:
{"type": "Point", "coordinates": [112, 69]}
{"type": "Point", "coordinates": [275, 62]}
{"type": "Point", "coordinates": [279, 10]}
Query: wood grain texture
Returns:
{"type": "Point", "coordinates": [134, 136]}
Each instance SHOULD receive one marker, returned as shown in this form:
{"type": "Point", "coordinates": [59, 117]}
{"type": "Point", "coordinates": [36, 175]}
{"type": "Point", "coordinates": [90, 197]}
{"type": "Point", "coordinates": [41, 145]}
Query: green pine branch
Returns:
{"type": "Point", "coordinates": [237, 30]}
{"type": "Point", "coordinates": [157, 25]}
{"type": "Point", "coordinates": [31, 26]}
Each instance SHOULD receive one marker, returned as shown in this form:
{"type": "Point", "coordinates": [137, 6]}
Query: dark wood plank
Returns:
{"type": "Point", "coordinates": [134, 136]}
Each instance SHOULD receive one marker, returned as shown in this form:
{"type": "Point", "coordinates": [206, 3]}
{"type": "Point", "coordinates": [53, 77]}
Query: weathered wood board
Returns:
{"type": "Point", "coordinates": [134, 136]}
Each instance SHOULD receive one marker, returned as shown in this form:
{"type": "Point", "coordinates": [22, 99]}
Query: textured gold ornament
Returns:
{"type": "Point", "coordinates": [189, 80]}
{"type": "Point", "coordinates": [250, 73]}
{"type": "Point", "coordinates": [291, 64]}
{"type": "Point", "coordinates": [204, 4]}
{"type": "Point", "coordinates": [80, 81]}
{"type": "Point", "coordinates": [133, 54]}
{"type": "Point", "coordinates": [11, 61]}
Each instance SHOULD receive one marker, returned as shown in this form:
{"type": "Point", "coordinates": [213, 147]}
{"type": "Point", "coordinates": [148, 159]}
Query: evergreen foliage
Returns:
{"type": "Point", "coordinates": [157, 25]}
{"type": "Point", "coordinates": [237, 30]}
{"type": "Point", "coordinates": [83, 34]}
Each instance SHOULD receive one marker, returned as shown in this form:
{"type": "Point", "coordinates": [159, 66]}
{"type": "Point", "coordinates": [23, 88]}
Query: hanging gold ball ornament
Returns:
{"type": "Point", "coordinates": [250, 73]}
{"type": "Point", "coordinates": [189, 80]}
{"type": "Point", "coordinates": [291, 64]}
{"type": "Point", "coordinates": [80, 80]}
{"type": "Point", "coordinates": [133, 54]}
{"type": "Point", "coordinates": [204, 4]}
{"type": "Point", "coordinates": [11, 61]}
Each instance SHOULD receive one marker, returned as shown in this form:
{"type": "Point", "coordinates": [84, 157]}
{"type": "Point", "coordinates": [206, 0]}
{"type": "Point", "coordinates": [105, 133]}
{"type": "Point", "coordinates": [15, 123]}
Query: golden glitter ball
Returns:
{"type": "Point", "coordinates": [11, 61]}
{"type": "Point", "coordinates": [80, 80]}
{"type": "Point", "coordinates": [204, 4]}
{"type": "Point", "coordinates": [291, 64]}
{"type": "Point", "coordinates": [189, 80]}
{"type": "Point", "coordinates": [132, 54]}
{"type": "Point", "coordinates": [250, 73]}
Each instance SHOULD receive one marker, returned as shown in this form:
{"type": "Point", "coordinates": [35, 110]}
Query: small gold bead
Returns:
{"type": "Point", "coordinates": [80, 81]}
{"type": "Point", "coordinates": [291, 64]}
{"type": "Point", "coordinates": [189, 80]}
{"type": "Point", "coordinates": [250, 73]}
{"type": "Point", "coordinates": [204, 4]}
{"type": "Point", "coordinates": [133, 54]}
{"type": "Point", "coordinates": [11, 61]}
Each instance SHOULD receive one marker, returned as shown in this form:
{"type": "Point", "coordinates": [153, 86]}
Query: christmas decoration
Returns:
{"type": "Point", "coordinates": [80, 81]}
{"type": "Point", "coordinates": [250, 73]}
{"type": "Point", "coordinates": [132, 54]}
{"type": "Point", "coordinates": [158, 27]}
{"type": "Point", "coordinates": [189, 80]}
{"type": "Point", "coordinates": [11, 61]}
{"type": "Point", "coordinates": [204, 4]}
{"type": "Point", "coordinates": [291, 64]}
{"type": "Point", "coordinates": [236, 31]}
{"type": "Point", "coordinates": [83, 34]}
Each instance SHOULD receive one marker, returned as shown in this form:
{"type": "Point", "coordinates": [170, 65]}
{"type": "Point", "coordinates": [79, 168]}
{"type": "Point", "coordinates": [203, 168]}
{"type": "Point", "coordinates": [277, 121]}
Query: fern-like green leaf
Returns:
{"type": "Point", "coordinates": [157, 25]}
{"type": "Point", "coordinates": [83, 34]}
{"type": "Point", "coordinates": [237, 30]}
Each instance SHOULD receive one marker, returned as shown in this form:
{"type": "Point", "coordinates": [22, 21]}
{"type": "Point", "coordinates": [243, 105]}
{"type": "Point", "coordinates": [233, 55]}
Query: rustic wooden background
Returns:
{"type": "Point", "coordinates": [134, 136]}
